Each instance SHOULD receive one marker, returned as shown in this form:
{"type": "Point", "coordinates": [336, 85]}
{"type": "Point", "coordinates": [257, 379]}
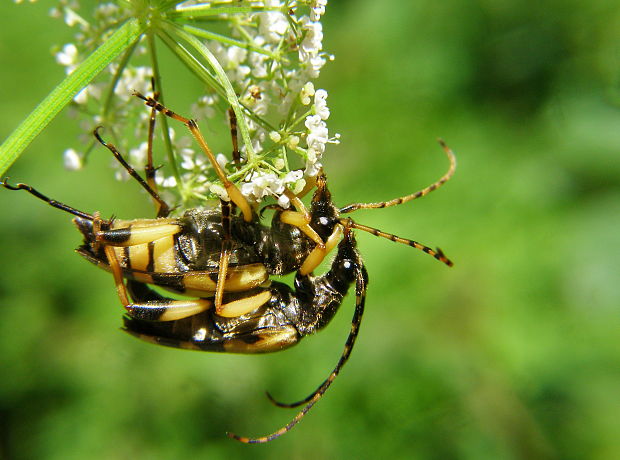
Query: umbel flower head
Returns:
{"type": "Point", "coordinates": [259, 58]}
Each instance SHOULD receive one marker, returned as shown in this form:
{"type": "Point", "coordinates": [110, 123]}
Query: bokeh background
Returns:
{"type": "Point", "coordinates": [512, 354]}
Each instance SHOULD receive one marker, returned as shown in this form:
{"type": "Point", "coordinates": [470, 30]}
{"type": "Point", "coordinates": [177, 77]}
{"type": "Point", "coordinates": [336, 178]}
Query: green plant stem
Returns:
{"type": "Point", "coordinates": [222, 78]}
{"type": "Point", "coordinates": [191, 62]}
{"type": "Point", "coordinates": [63, 94]}
{"type": "Point", "coordinates": [201, 11]}
{"type": "Point", "coordinates": [198, 32]}
{"type": "Point", "coordinates": [109, 97]}
{"type": "Point", "coordinates": [166, 34]}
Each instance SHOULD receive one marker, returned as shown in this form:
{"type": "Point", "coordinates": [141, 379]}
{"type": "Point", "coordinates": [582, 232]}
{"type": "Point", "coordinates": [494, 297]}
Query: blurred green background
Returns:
{"type": "Point", "coordinates": [511, 354]}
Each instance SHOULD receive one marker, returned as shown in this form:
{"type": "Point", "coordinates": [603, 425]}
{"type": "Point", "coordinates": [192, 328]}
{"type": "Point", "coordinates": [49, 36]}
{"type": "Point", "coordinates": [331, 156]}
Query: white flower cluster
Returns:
{"type": "Point", "coordinates": [270, 55]}
{"type": "Point", "coordinates": [263, 184]}
{"type": "Point", "coordinates": [275, 79]}
{"type": "Point", "coordinates": [95, 100]}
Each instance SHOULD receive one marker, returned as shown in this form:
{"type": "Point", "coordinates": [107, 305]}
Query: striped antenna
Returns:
{"type": "Point", "coordinates": [360, 299]}
{"type": "Point", "coordinates": [420, 193]}
{"type": "Point", "coordinates": [436, 253]}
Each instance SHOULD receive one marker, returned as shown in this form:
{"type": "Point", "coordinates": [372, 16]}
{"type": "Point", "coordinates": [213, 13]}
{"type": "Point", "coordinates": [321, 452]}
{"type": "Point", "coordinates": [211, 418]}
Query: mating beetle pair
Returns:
{"type": "Point", "coordinates": [226, 259]}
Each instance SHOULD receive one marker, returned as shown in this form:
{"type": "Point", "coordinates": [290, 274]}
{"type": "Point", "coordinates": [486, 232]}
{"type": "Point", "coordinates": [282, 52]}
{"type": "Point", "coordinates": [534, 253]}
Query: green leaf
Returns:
{"type": "Point", "coordinates": [63, 94]}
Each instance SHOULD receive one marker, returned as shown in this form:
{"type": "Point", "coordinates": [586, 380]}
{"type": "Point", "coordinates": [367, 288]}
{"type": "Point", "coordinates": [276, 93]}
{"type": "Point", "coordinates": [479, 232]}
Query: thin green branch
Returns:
{"type": "Point", "coordinates": [109, 97]}
{"type": "Point", "coordinates": [207, 10]}
{"type": "Point", "coordinates": [223, 83]}
{"type": "Point", "coordinates": [197, 68]}
{"type": "Point", "coordinates": [231, 96]}
{"type": "Point", "coordinates": [198, 32]}
{"type": "Point", "coordinates": [191, 62]}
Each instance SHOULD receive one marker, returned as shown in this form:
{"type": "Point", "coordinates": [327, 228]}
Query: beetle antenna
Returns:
{"type": "Point", "coordinates": [436, 253]}
{"type": "Point", "coordinates": [39, 195]}
{"type": "Point", "coordinates": [420, 193]}
{"type": "Point", "coordinates": [360, 299]}
{"type": "Point", "coordinates": [275, 402]}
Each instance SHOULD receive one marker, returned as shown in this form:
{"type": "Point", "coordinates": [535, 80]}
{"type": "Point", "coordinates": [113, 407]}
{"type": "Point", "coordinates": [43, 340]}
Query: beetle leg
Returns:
{"type": "Point", "coordinates": [155, 310]}
{"type": "Point", "coordinates": [163, 208]}
{"type": "Point", "coordinates": [317, 255]}
{"type": "Point", "coordinates": [301, 219]}
{"type": "Point", "coordinates": [244, 304]}
{"type": "Point", "coordinates": [236, 155]}
{"type": "Point", "coordinates": [149, 170]}
{"type": "Point", "coordinates": [160, 310]}
{"type": "Point", "coordinates": [167, 310]}
{"type": "Point", "coordinates": [209, 332]}
{"type": "Point", "coordinates": [115, 267]}
{"type": "Point", "coordinates": [233, 192]}
{"type": "Point", "coordinates": [221, 274]}
{"type": "Point", "coordinates": [224, 255]}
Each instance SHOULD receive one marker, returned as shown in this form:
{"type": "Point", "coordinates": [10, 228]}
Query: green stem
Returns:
{"type": "Point", "coordinates": [63, 94]}
{"type": "Point", "coordinates": [219, 81]}
{"type": "Point", "coordinates": [197, 68]}
{"type": "Point", "coordinates": [200, 11]}
{"type": "Point", "coordinates": [224, 82]}
{"type": "Point", "coordinates": [191, 62]}
{"type": "Point", "coordinates": [300, 119]}
{"type": "Point", "coordinates": [198, 32]}
{"type": "Point", "coordinates": [109, 98]}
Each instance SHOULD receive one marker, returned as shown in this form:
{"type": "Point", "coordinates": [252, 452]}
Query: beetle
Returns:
{"type": "Point", "coordinates": [226, 258]}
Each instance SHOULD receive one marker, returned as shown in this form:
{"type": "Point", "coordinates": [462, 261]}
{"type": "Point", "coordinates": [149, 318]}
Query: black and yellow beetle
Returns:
{"type": "Point", "coordinates": [226, 260]}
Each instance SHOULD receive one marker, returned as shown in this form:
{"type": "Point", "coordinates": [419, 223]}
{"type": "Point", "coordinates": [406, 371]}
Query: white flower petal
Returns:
{"type": "Point", "coordinates": [72, 160]}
